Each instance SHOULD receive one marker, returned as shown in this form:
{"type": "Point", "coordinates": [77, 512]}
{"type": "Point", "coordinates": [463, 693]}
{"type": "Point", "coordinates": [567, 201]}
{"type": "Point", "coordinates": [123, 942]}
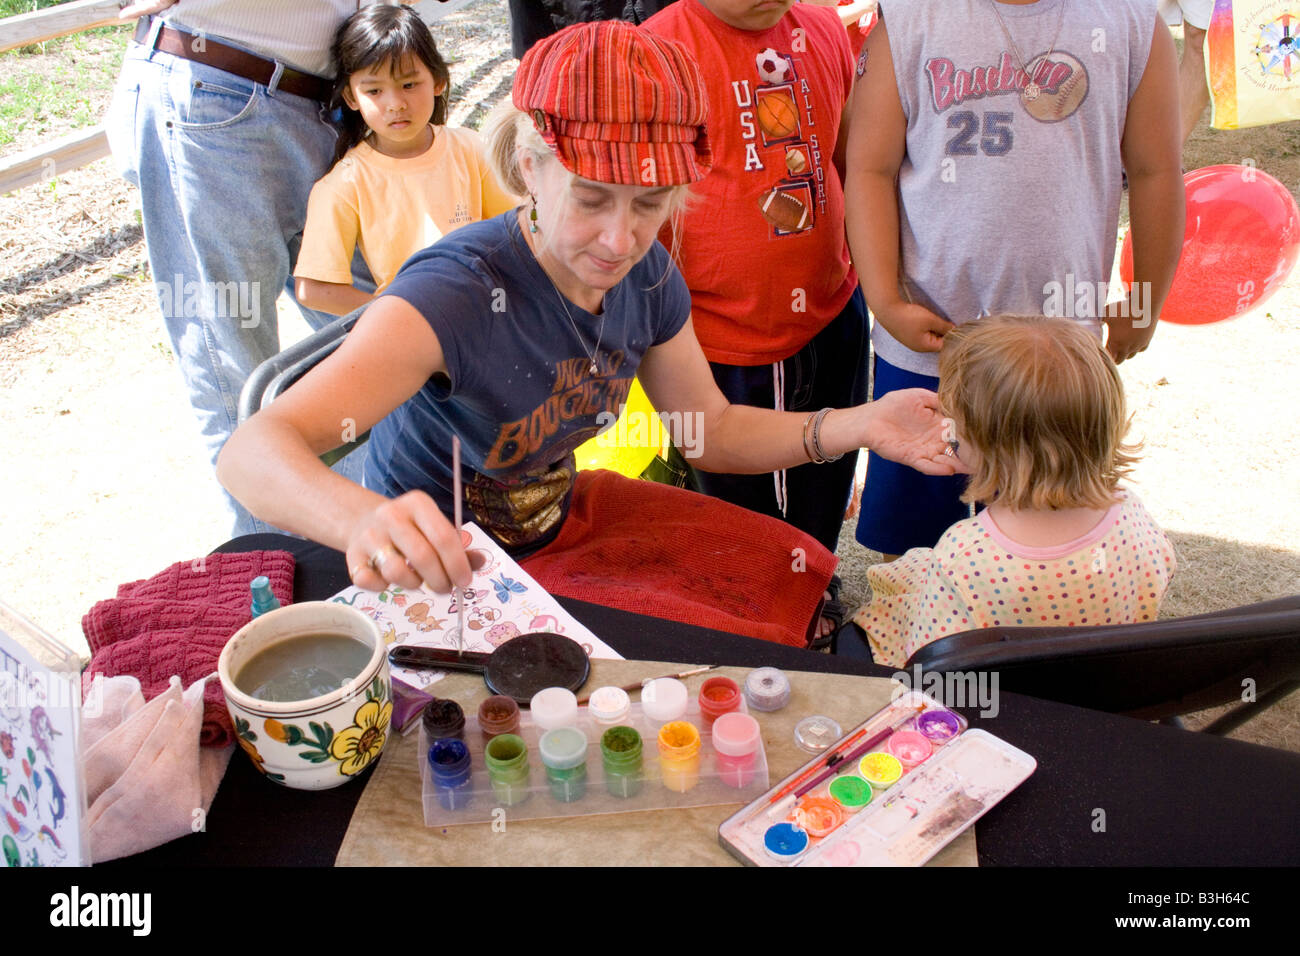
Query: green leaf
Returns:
{"type": "Point", "coordinates": [293, 735]}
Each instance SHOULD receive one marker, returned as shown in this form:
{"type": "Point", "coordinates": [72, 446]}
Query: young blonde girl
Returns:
{"type": "Point", "coordinates": [1038, 416]}
{"type": "Point", "coordinates": [402, 179]}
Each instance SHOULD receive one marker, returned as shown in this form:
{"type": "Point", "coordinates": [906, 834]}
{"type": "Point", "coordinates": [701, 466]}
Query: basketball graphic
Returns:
{"type": "Point", "coordinates": [772, 67]}
{"type": "Point", "coordinates": [1064, 84]}
{"type": "Point", "coordinates": [776, 113]}
{"type": "Point", "coordinates": [785, 211]}
{"type": "Point", "coordinates": [796, 163]}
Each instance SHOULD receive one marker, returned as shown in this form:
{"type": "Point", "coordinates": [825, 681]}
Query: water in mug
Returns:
{"type": "Point", "coordinates": [303, 667]}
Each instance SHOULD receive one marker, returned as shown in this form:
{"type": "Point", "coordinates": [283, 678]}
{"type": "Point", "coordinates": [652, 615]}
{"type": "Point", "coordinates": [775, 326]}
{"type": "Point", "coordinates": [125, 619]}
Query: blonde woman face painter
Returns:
{"type": "Point", "coordinates": [590, 221]}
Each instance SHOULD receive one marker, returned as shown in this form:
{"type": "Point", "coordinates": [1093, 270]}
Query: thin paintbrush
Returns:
{"type": "Point", "coordinates": [855, 754]}
{"type": "Point", "coordinates": [859, 751]}
{"type": "Point", "coordinates": [641, 683]}
{"type": "Point", "coordinates": [456, 493]}
{"type": "Point", "coordinates": [832, 759]}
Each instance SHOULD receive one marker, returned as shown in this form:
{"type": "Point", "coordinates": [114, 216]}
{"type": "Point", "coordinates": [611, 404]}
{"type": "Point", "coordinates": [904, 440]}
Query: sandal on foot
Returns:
{"type": "Point", "coordinates": [834, 612]}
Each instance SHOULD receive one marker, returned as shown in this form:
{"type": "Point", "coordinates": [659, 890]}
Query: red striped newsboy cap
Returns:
{"type": "Point", "coordinates": [617, 104]}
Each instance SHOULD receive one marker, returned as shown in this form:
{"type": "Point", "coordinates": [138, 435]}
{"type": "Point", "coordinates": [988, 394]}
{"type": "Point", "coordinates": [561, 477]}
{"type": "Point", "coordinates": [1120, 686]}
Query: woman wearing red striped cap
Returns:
{"type": "Point", "coordinates": [521, 335]}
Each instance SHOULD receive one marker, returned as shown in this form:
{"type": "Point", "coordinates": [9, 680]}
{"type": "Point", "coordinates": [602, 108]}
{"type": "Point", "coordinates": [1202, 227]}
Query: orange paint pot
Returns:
{"type": "Point", "coordinates": [679, 755]}
{"type": "Point", "coordinates": [819, 816]}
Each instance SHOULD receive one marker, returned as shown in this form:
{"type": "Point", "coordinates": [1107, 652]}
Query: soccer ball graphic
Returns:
{"type": "Point", "coordinates": [772, 66]}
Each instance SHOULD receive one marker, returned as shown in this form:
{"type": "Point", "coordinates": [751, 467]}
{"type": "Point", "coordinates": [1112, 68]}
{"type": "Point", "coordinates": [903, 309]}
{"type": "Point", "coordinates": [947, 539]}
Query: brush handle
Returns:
{"type": "Point", "coordinates": [859, 752]}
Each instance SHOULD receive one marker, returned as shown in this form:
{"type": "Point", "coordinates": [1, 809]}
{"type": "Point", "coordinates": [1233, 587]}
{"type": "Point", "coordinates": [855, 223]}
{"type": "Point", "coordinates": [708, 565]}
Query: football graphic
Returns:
{"type": "Point", "coordinates": [785, 211]}
{"type": "Point", "coordinates": [772, 66]}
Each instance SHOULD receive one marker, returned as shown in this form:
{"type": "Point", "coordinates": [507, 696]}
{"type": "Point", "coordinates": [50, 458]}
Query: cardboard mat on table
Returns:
{"type": "Point", "coordinates": [387, 828]}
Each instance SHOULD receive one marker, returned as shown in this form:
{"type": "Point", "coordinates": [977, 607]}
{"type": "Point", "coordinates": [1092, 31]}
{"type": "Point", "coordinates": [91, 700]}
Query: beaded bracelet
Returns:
{"type": "Point", "coordinates": [816, 454]}
{"type": "Point", "coordinates": [817, 438]}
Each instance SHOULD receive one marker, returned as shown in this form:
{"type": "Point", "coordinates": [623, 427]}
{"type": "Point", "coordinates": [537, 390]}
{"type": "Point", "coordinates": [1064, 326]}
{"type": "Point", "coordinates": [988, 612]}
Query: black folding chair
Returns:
{"type": "Point", "coordinates": [1155, 671]}
{"type": "Point", "coordinates": [270, 379]}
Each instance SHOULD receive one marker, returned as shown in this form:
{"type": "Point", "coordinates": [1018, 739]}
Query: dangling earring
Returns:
{"type": "Point", "coordinates": [532, 215]}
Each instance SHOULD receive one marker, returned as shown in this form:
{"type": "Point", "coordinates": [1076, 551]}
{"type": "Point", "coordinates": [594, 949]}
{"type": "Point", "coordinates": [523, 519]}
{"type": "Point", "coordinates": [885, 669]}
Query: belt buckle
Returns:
{"type": "Point", "coordinates": [147, 30]}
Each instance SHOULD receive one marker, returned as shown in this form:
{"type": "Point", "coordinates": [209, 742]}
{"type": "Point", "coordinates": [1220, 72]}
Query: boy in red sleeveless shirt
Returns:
{"type": "Point", "coordinates": [774, 298]}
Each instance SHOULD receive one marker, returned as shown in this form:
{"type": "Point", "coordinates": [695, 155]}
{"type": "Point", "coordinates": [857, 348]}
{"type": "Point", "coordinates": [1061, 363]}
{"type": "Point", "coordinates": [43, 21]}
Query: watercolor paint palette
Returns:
{"type": "Point", "coordinates": [590, 774]}
{"type": "Point", "coordinates": [907, 781]}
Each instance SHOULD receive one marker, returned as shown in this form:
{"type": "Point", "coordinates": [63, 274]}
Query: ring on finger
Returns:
{"type": "Point", "coordinates": [380, 556]}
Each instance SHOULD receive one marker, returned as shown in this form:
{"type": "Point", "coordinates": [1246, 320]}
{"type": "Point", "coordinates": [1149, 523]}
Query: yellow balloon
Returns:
{"type": "Point", "coordinates": [631, 444]}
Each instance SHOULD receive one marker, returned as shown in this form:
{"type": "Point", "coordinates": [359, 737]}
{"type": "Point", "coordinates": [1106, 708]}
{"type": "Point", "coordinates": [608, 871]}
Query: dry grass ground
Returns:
{"type": "Point", "coordinates": [104, 481]}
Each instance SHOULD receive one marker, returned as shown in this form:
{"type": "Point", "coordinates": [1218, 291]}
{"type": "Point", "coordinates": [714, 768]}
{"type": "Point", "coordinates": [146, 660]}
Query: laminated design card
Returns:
{"type": "Point", "coordinates": [42, 803]}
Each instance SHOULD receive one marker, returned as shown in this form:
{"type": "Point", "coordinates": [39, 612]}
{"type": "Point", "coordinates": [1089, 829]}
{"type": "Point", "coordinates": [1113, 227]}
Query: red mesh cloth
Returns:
{"type": "Point", "coordinates": [178, 621]}
{"type": "Point", "coordinates": [674, 554]}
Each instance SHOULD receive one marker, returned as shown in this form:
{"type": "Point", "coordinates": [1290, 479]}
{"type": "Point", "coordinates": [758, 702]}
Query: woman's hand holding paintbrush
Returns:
{"type": "Point", "coordinates": [424, 550]}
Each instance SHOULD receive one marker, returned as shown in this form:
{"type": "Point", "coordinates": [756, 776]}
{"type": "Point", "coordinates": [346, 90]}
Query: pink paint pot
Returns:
{"type": "Point", "coordinates": [736, 739]}
{"type": "Point", "coordinates": [909, 747]}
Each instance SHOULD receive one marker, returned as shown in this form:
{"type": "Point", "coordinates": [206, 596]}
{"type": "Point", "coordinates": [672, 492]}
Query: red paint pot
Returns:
{"type": "Point", "coordinates": [718, 696]}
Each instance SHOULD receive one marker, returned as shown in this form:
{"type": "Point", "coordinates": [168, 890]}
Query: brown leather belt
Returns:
{"type": "Point", "coordinates": [234, 61]}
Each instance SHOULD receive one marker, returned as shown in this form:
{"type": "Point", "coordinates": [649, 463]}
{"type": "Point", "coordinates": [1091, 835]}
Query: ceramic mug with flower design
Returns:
{"type": "Point", "coordinates": [327, 736]}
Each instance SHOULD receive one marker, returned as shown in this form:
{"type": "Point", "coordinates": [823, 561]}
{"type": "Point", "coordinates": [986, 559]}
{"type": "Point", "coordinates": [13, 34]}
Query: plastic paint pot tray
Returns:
{"type": "Point", "coordinates": [517, 669]}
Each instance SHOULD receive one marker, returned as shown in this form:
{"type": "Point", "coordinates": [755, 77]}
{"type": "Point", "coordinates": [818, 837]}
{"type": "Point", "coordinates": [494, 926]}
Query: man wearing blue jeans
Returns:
{"type": "Point", "coordinates": [219, 117]}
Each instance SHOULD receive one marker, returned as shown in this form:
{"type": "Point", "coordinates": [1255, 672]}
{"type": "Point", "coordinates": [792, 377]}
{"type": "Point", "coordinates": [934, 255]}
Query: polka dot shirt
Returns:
{"type": "Point", "coordinates": [978, 577]}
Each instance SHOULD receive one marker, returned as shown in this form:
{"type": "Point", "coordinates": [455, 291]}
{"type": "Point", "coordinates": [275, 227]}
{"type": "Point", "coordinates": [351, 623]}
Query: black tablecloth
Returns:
{"type": "Point", "coordinates": [1109, 790]}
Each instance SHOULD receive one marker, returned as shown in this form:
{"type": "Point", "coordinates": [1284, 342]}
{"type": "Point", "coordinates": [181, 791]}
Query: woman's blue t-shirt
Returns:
{"type": "Point", "coordinates": [519, 389]}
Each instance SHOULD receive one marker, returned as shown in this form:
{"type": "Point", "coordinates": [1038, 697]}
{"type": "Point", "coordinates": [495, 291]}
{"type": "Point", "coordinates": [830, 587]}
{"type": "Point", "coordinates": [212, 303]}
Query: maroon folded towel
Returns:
{"type": "Point", "coordinates": [177, 622]}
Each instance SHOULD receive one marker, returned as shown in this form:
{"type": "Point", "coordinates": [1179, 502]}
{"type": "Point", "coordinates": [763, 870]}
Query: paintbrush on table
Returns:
{"type": "Point", "coordinates": [456, 491]}
{"type": "Point", "coordinates": [641, 683]}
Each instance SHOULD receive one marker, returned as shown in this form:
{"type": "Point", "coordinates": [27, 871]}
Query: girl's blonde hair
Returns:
{"type": "Point", "coordinates": [509, 131]}
{"type": "Point", "coordinates": [1042, 405]}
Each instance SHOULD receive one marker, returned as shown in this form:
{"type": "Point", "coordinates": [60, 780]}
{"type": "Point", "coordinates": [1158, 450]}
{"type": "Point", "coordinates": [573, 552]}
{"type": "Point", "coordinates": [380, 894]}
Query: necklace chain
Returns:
{"type": "Point", "coordinates": [591, 356]}
{"type": "Point", "coordinates": [600, 332]}
{"type": "Point", "coordinates": [1032, 89]}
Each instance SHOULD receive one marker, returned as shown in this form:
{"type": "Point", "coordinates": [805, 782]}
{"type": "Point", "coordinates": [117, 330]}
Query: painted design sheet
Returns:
{"type": "Point", "coordinates": [501, 602]}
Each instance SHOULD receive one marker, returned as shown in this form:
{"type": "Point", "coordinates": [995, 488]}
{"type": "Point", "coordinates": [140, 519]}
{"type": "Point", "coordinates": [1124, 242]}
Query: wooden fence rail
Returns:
{"type": "Point", "coordinates": [57, 21]}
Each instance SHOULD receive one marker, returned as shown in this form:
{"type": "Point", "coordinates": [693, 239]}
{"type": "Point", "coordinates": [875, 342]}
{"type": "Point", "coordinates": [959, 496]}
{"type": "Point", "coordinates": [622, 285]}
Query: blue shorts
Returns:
{"type": "Point", "coordinates": [902, 508]}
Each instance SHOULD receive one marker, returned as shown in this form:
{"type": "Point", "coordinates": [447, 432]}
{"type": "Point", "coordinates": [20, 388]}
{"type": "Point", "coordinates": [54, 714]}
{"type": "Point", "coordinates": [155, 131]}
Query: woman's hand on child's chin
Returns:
{"type": "Point", "coordinates": [913, 325]}
{"type": "Point", "coordinates": [407, 541]}
{"type": "Point", "coordinates": [907, 426]}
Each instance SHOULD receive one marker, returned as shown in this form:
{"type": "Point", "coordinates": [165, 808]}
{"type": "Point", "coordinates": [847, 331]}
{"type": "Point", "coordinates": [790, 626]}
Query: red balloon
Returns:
{"type": "Point", "coordinates": [1241, 241]}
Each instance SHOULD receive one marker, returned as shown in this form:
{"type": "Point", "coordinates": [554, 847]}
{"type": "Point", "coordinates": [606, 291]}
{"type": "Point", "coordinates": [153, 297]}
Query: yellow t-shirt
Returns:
{"type": "Point", "coordinates": [393, 208]}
